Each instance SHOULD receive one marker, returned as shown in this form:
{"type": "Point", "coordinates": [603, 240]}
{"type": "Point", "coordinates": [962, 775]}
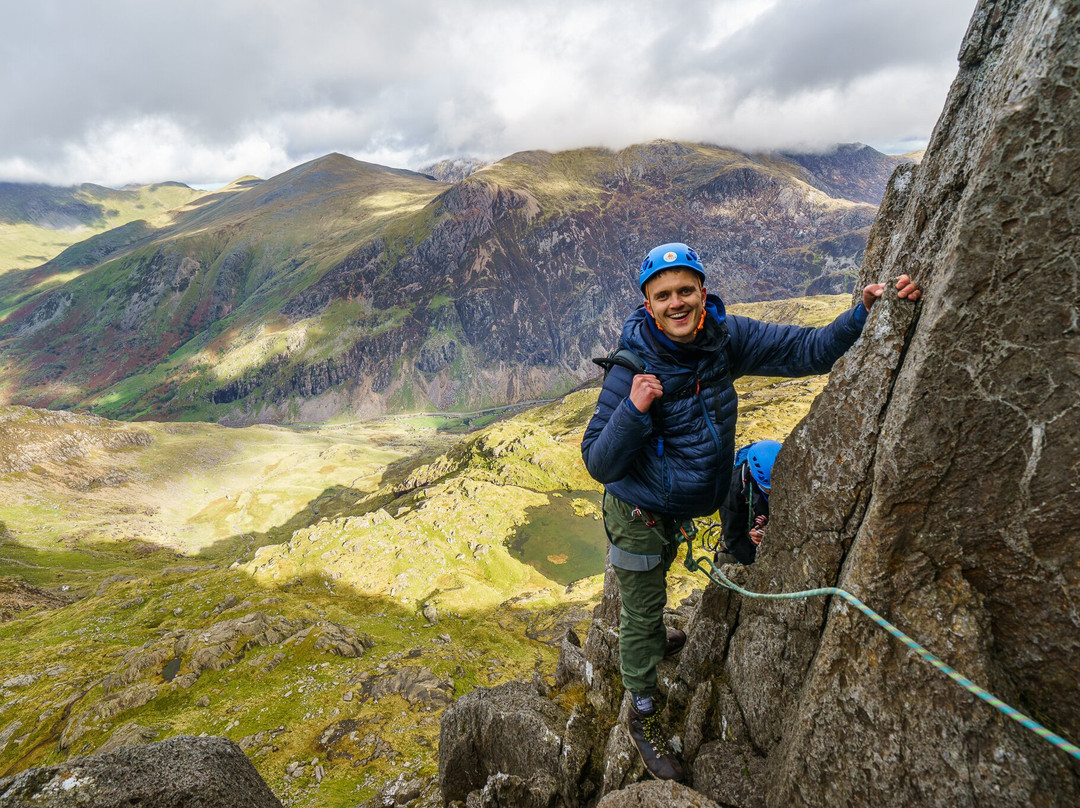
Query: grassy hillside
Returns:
{"type": "Point", "coordinates": [359, 671]}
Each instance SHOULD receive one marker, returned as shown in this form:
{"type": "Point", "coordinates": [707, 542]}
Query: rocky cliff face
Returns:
{"type": "Point", "coordinates": [935, 478]}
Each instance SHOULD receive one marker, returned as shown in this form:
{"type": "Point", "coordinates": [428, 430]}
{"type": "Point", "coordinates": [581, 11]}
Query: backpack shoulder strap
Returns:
{"type": "Point", "coordinates": [624, 358]}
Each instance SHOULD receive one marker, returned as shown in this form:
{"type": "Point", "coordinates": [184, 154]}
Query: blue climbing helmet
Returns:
{"type": "Point", "coordinates": [761, 456]}
{"type": "Point", "coordinates": [669, 256]}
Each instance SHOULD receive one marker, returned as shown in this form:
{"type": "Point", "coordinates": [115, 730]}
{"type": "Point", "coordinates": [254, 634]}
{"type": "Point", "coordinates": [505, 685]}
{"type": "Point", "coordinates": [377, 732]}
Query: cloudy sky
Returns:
{"type": "Point", "coordinates": [204, 91]}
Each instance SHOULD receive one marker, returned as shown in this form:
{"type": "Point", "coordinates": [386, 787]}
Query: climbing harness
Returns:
{"type": "Point", "coordinates": [717, 577]}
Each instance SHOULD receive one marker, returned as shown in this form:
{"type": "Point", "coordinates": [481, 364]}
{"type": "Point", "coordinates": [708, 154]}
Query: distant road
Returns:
{"type": "Point", "coordinates": [404, 416]}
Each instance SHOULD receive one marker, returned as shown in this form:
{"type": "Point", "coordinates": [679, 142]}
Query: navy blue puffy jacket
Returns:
{"type": "Point", "coordinates": [677, 458]}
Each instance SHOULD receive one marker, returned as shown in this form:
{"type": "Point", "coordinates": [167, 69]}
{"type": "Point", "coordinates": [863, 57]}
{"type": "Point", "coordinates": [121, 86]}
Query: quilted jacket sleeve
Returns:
{"type": "Point", "coordinates": [768, 349]}
{"type": "Point", "coordinates": [616, 431]}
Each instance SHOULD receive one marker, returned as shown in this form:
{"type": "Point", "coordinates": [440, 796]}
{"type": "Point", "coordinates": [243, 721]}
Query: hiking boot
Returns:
{"type": "Point", "coordinates": [648, 736]}
{"type": "Point", "coordinates": [676, 639]}
{"type": "Point", "coordinates": [723, 557]}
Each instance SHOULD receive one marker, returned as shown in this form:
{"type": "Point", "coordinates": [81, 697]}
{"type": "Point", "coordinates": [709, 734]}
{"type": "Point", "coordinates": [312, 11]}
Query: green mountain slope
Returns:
{"type": "Point", "coordinates": [340, 287]}
{"type": "Point", "coordinates": [37, 222]}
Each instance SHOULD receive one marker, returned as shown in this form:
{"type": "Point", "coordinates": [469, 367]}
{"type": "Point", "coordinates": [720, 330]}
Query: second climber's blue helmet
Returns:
{"type": "Point", "coordinates": [761, 457]}
{"type": "Point", "coordinates": [669, 256]}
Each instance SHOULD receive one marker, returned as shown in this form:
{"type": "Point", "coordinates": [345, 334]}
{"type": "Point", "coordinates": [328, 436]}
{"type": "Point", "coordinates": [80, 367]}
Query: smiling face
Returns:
{"type": "Point", "coordinates": [676, 300]}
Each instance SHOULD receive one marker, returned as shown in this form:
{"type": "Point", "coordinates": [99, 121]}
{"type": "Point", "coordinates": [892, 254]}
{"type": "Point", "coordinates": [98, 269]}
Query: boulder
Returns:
{"type": "Point", "coordinates": [341, 640]}
{"type": "Point", "coordinates": [418, 686]}
{"type": "Point", "coordinates": [182, 772]}
{"type": "Point", "coordinates": [601, 649]}
{"type": "Point", "coordinates": [656, 794]}
{"type": "Point", "coordinates": [533, 748]}
{"type": "Point", "coordinates": [571, 667]}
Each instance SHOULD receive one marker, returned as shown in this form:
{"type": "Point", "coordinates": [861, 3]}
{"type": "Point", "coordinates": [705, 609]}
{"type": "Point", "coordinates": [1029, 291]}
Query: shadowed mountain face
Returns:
{"type": "Point", "coordinates": [344, 286]}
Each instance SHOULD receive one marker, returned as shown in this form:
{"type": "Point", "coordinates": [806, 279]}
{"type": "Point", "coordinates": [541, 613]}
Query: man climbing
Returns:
{"type": "Point", "coordinates": [662, 441]}
{"type": "Point", "coordinates": [745, 510]}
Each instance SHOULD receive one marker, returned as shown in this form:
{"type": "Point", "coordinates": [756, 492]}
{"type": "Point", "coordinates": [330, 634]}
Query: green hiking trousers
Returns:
{"type": "Point", "coordinates": [641, 555]}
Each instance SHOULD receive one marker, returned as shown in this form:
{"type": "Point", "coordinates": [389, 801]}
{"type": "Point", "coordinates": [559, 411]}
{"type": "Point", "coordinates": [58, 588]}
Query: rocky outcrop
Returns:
{"type": "Point", "coordinates": [946, 502]}
{"type": "Point", "coordinates": [418, 686]}
{"type": "Point", "coordinates": [510, 746]}
{"type": "Point", "coordinates": [31, 437]}
{"type": "Point", "coordinates": [656, 794]}
{"type": "Point", "coordinates": [178, 773]}
{"type": "Point", "coordinates": [935, 478]}
{"type": "Point", "coordinates": [17, 596]}
{"type": "Point", "coordinates": [455, 169]}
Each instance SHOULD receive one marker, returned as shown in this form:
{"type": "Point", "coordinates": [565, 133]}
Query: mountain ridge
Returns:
{"type": "Point", "coordinates": [344, 286]}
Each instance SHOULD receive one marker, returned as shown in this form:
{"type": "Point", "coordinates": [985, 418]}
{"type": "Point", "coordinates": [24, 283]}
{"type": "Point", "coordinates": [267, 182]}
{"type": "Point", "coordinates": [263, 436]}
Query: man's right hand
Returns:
{"type": "Point", "coordinates": [645, 389]}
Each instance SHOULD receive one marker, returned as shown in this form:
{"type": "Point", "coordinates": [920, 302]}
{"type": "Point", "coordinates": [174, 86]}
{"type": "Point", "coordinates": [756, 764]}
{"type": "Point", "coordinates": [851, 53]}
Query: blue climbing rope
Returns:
{"type": "Point", "coordinates": [718, 577]}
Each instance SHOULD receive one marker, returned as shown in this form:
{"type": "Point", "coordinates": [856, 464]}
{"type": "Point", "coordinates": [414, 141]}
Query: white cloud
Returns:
{"type": "Point", "coordinates": [151, 149]}
{"type": "Point", "coordinates": [205, 91]}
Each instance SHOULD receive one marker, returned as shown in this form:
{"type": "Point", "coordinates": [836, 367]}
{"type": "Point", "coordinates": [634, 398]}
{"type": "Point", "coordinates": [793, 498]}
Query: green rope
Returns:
{"type": "Point", "coordinates": [718, 577]}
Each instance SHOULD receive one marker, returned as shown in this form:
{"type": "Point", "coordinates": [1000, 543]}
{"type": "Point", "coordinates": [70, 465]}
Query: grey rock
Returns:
{"type": "Point", "coordinates": [22, 680]}
{"type": "Point", "coordinates": [418, 686]}
{"type": "Point", "coordinates": [510, 730]}
{"type": "Point", "coordinates": [341, 640]}
{"type": "Point", "coordinates": [512, 791]}
{"type": "Point", "coordinates": [656, 794]}
{"type": "Point", "coordinates": [601, 649]}
{"type": "Point", "coordinates": [401, 791]}
{"type": "Point", "coordinates": [8, 732]}
{"type": "Point", "coordinates": [733, 770]}
{"type": "Point", "coordinates": [137, 601]}
{"type": "Point", "coordinates": [182, 772]}
{"type": "Point", "coordinates": [621, 765]}
{"type": "Point", "coordinates": [129, 735]}
{"type": "Point", "coordinates": [260, 738]}
{"type": "Point", "coordinates": [571, 666]}
{"type": "Point", "coordinates": [228, 602]}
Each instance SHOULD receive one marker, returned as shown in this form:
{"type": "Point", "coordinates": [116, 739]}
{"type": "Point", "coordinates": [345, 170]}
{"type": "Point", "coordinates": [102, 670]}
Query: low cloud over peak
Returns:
{"type": "Point", "coordinates": [203, 92]}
